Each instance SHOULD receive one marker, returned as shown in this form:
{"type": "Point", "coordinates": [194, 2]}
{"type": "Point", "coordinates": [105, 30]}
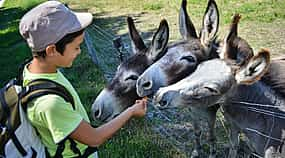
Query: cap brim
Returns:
{"type": "Point", "coordinates": [84, 19]}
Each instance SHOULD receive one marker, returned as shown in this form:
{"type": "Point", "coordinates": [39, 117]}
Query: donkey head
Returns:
{"type": "Point", "coordinates": [214, 78]}
{"type": "Point", "coordinates": [183, 56]}
{"type": "Point", "coordinates": [120, 93]}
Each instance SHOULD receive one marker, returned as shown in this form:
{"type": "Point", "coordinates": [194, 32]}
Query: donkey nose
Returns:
{"type": "Point", "coordinates": [166, 99]}
{"type": "Point", "coordinates": [147, 85]}
{"type": "Point", "coordinates": [96, 110]}
{"type": "Point", "coordinates": [144, 86]}
{"type": "Point", "coordinates": [96, 113]}
{"type": "Point", "coordinates": [163, 102]}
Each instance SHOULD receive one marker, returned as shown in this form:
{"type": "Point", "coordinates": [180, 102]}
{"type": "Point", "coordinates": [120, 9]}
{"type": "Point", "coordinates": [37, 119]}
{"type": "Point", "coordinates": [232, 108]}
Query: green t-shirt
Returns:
{"type": "Point", "coordinates": [52, 116]}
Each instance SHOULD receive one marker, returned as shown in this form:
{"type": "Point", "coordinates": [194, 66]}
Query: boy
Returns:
{"type": "Point", "coordinates": [54, 34]}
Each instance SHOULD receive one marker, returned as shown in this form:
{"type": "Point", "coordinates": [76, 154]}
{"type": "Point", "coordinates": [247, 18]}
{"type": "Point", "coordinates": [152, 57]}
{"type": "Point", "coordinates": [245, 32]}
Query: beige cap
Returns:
{"type": "Point", "coordinates": [50, 21]}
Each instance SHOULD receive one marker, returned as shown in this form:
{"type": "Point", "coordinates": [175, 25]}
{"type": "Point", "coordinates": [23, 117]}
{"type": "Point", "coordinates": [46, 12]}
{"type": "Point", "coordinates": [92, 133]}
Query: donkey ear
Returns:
{"type": "Point", "coordinates": [186, 27]}
{"type": "Point", "coordinates": [136, 40]}
{"type": "Point", "coordinates": [228, 48]}
{"type": "Point", "coordinates": [210, 24]}
{"type": "Point", "coordinates": [234, 47]}
{"type": "Point", "coordinates": [254, 69]}
{"type": "Point", "coordinates": [233, 28]}
{"type": "Point", "coordinates": [159, 41]}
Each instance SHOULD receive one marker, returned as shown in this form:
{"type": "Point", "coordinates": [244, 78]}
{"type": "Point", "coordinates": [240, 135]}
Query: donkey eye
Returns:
{"type": "Point", "coordinates": [190, 59]}
{"type": "Point", "coordinates": [132, 77]}
{"type": "Point", "coordinates": [212, 90]}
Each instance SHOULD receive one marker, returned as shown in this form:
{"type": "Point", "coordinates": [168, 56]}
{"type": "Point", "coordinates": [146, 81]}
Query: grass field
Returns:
{"type": "Point", "coordinates": [262, 25]}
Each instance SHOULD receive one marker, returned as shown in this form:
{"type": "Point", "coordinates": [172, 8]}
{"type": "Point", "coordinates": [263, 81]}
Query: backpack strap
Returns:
{"type": "Point", "coordinates": [88, 151]}
{"type": "Point", "coordinates": [73, 146]}
{"type": "Point", "coordinates": [41, 87]}
{"type": "Point", "coordinates": [19, 78]}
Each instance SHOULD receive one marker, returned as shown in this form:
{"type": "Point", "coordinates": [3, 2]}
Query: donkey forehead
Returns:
{"type": "Point", "coordinates": [176, 51]}
{"type": "Point", "coordinates": [119, 79]}
{"type": "Point", "coordinates": [185, 47]}
{"type": "Point", "coordinates": [121, 75]}
{"type": "Point", "coordinates": [136, 63]}
{"type": "Point", "coordinates": [215, 70]}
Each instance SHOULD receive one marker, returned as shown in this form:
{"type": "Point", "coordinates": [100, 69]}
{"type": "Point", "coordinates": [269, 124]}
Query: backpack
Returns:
{"type": "Point", "coordinates": [18, 138]}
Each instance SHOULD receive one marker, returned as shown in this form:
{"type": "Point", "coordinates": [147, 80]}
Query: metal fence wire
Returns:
{"type": "Point", "coordinates": [107, 50]}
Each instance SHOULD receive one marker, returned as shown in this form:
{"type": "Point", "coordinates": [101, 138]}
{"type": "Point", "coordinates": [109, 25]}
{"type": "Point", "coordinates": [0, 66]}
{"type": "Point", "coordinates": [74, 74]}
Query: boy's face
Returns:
{"type": "Point", "coordinates": [70, 53]}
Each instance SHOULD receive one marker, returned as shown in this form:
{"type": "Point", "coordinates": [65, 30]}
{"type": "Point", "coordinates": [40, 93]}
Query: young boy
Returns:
{"type": "Point", "coordinates": [54, 34]}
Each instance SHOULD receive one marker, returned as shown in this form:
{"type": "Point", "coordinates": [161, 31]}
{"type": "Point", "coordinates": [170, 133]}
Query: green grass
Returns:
{"type": "Point", "coordinates": [261, 11]}
{"type": "Point", "coordinates": [262, 25]}
{"type": "Point", "coordinates": [11, 58]}
{"type": "Point", "coordinates": [10, 17]}
{"type": "Point", "coordinates": [25, 5]}
{"type": "Point", "coordinates": [266, 17]}
{"type": "Point", "coordinates": [137, 139]}
{"type": "Point", "coordinates": [132, 142]}
{"type": "Point", "coordinates": [153, 6]}
{"type": "Point", "coordinates": [12, 47]}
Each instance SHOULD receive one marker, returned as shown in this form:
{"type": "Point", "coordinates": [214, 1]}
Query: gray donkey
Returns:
{"type": "Point", "coordinates": [120, 93]}
{"type": "Point", "coordinates": [181, 59]}
{"type": "Point", "coordinates": [252, 100]}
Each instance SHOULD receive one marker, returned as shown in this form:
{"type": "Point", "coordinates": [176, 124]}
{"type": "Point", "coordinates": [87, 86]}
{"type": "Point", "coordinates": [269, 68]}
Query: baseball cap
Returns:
{"type": "Point", "coordinates": [49, 22]}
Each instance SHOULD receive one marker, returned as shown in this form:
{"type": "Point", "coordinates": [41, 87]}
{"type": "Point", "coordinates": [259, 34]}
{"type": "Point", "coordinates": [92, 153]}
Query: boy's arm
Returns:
{"type": "Point", "coordinates": [90, 136]}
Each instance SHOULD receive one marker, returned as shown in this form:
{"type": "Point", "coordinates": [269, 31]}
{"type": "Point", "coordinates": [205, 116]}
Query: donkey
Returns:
{"type": "Point", "coordinates": [120, 93]}
{"type": "Point", "coordinates": [182, 59]}
{"type": "Point", "coordinates": [234, 81]}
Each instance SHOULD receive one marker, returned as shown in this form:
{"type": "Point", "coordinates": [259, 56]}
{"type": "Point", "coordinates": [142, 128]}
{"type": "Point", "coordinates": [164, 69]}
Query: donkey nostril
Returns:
{"type": "Point", "coordinates": [147, 85]}
{"type": "Point", "coordinates": [97, 113]}
{"type": "Point", "coordinates": [163, 103]}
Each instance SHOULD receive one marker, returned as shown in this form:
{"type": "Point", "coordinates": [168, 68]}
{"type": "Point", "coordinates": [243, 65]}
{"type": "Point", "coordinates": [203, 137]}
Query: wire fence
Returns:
{"type": "Point", "coordinates": [100, 47]}
{"type": "Point", "coordinates": [174, 125]}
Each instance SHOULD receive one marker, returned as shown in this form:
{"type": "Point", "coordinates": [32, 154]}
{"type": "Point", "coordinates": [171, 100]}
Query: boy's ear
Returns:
{"type": "Point", "coordinates": [51, 50]}
{"type": "Point", "coordinates": [254, 69]}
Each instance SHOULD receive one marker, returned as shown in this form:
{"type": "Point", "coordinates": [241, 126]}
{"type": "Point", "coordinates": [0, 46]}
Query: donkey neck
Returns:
{"type": "Point", "coordinates": [243, 102]}
{"type": "Point", "coordinates": [245, 107]}
{"type": "Point", "coordinates": [258, 93]}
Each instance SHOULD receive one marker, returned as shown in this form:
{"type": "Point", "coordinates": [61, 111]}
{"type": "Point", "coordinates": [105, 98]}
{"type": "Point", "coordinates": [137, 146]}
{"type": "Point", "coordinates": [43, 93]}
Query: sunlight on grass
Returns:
{"type": "Point", "coordinates": [152, 6]}
{"type": "Point", "coordinates": [12, 47]}
{"type": "Point", "coordinates": [24, 4]}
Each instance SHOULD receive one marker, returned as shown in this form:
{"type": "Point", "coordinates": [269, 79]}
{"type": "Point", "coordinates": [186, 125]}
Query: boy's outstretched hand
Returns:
{"type": "Point", "coordinates": [139, 108]}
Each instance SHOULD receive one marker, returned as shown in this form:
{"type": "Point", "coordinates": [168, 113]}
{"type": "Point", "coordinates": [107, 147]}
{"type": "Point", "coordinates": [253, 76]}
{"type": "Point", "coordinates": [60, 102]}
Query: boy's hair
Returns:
{"type": "Point", "coordinates": [60, 45]}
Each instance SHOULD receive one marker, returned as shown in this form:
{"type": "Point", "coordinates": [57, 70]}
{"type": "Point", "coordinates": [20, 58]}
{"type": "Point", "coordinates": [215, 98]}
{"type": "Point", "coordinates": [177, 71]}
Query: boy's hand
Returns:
{"type": "Point", "coordinates": [139, 108]}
